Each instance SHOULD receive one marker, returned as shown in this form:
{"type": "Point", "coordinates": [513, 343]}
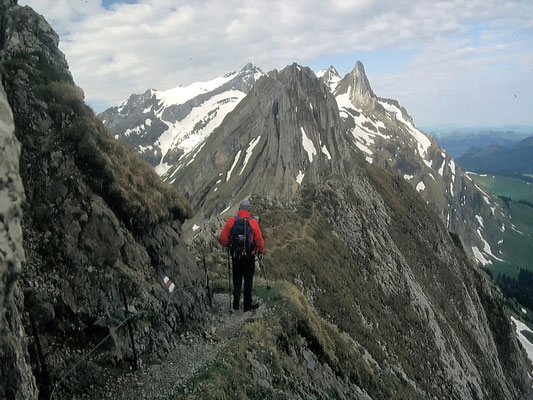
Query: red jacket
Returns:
{"type": "Point", "coordinates": [257, 237]}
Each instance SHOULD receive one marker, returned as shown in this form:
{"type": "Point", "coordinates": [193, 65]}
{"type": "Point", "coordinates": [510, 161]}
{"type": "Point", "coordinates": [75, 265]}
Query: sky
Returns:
{"type": "Point", "coordinates": [450, 63]}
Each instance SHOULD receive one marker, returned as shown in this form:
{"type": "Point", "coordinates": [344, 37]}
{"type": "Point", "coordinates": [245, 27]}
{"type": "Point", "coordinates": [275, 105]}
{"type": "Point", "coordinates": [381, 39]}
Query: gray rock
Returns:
{"type": "Point", "coordinates": [16, 377]}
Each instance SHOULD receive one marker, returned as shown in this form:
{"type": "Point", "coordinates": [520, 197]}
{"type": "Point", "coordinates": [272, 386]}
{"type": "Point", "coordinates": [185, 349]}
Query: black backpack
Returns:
{"type": "Point", "coordinates": [240, 244]}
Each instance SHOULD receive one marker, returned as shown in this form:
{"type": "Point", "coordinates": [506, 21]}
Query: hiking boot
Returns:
{"type": "Point", "coordinates": [252, 307]}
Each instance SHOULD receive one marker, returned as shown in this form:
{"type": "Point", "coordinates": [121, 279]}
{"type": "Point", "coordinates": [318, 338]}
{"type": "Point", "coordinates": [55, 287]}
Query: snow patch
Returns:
{"type": "Point", "coordinates": [226, 209]}
{"type": "Point", "coordinates": [452, 169]}
{"type": "Point", "coordinates": [408, 177]}
{"type": "Point", "coordinates": [197, 125]}
{"type": "Point", "coordinates": [528, 346]}
{"type": "Point", "coordinates": [524, 311]}
{"type": "Point", "coordinates": [513, 227]}
{"type": "Point", "coordinates": [441, 169]}
{"type": "Point", "coordinates": [369, 159]}
{"type": "Point", "coordinates": [196, 151]}
{"type": "Point", "coordinates": [423, 142]}
{"type": "Point", "coordinates": [479, 256]}
{"type": "Point", "coordinates": [181, 94]}
{"type": "Point", "coordinates": [326, 152]}
{"type": "Point", "coordinates": [420, 186]}
{"type": "Point", "coordinates": [300, 177]}
{"type": "Point", "coordinates": [249, 152]}
{"type": "Point", "coordinates": [308, 146]}
{"type": "Point", "coordinates": [137, 130]}
{"type": "Point", "coordinates": [228, 175]}
{"type": "Point", "coordinates": [480, 220]}
{"type": "Point", "coordinates": [486, 247]}
{"type": "Point", "coordinates": [500, 241]}
{"type": "Point", "coordinates": [485, 197]}
{"type": "Point", "coordinates": [195, 227]}
{"type": "Point", "coordinates": [148, 122]}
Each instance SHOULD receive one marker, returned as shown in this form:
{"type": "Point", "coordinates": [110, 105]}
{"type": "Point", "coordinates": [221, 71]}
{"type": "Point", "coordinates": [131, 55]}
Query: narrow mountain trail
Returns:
{"type": "Point", "coordinates": [191, 353]}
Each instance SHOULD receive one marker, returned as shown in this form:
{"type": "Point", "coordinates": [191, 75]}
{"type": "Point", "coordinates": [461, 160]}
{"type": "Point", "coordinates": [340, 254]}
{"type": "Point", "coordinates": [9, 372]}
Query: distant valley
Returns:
{"type": "Point", "coordinates": [458, 141]}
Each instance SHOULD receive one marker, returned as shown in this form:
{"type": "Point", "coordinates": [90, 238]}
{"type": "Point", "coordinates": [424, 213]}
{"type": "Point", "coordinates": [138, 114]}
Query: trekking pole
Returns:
{"type": "Point", "coordinates": [207, 286]}
{"type": "Point", "coordinates": [229, 282]}
{"type": "Point", "coordinates": [262, 267]}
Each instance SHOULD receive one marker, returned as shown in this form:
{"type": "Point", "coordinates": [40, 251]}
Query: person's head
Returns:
{"type": "Point", "coordinates": [245, 205]}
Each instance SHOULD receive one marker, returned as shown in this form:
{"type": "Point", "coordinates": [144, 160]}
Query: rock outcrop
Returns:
{"type": "Point", "coordinates": [15, 371]}
{"type": "Point", "coordinates": [101, 230]}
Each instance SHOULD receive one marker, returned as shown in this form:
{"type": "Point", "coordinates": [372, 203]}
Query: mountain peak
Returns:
{"type": "Point", "coordinates": [359, 68]}
{"type": "Point", "coordinates": [250, 67]}
{"type": "Point", "coordinates": [357, 87]}
{"type": "Point", "coordinates": [330, 77]}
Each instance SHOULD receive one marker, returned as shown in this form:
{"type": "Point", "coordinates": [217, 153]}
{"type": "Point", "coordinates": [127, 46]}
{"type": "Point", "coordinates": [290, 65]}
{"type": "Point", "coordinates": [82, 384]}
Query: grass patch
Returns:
{"type": "Point", "coordinates": [514, 188]}
{"type": "Point", "coordinates": [517, 245]}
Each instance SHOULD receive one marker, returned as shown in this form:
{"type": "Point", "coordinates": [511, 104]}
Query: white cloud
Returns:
{"type": "Point", "coordinates": [129, 48]}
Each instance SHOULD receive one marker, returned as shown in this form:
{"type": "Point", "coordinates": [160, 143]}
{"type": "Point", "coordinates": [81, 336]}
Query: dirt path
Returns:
{"type": "Point", "coordinates": [191, 354]}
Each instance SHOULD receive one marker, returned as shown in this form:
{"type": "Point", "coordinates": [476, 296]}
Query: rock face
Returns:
{"type": "Point", "coordinates": [360, 243]}
{"type": "Point", "coordinates": [164, 126]}
{"type": "Point", "coordinates": [385, 133]}
{"type": "Point", "coordinates": [11, 197]}
{"type": "Point", "coordinates": [297, 142]}
{"type": "Point", "coordinates": [12, 334]}
{"type": "Point", "coordinates": [101, 230]}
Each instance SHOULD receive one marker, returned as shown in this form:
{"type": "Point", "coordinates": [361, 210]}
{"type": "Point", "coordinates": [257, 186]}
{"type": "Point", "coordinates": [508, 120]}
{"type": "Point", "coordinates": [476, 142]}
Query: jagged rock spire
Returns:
{"type": "Point", "coordinates": [357, 86]}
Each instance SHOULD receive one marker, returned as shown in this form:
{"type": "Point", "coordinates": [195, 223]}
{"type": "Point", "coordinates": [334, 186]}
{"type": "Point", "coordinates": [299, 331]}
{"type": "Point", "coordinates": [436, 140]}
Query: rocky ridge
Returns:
{"type": "Point", "coordinates": [101, 230]}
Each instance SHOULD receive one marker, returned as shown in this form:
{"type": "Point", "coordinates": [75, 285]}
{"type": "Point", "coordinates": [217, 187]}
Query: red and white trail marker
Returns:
{"type": "Point", "coordinates": [169, 284]}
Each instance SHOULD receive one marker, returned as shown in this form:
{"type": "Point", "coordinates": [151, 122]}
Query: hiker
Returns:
{"type": "Point", "coordinates": [244, 239]}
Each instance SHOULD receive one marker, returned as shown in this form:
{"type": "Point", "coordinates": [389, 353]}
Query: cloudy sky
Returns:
{"type": "Point", "coordinates": [457, 62]}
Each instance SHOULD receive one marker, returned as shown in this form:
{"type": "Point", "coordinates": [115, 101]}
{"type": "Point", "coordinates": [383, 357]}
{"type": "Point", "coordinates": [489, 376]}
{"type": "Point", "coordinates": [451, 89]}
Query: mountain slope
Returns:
{"type": "Point", "coordinates": [359, 242]}
{"type": "Point", "coordinates": [386, 134]}
{"type": "Point", "coordinates": [163, 126]}
{"type": "Point", "coordinates": [516, 159]}
{"type": "Point", "coordinates": [100, 229]}
{"type": "Point", "coordinates": [297, 142]}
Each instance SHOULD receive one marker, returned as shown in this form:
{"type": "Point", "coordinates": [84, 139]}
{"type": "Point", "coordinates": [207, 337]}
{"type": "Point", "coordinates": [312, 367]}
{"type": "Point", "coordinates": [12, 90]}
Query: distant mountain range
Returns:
{"type": "Point", "coordinates": [514, 159]}
{"type": "Point", "coordinates": [458, 142]}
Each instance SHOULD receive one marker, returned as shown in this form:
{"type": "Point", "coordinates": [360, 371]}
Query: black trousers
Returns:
{"type": "Point", "coordinates": [243, 268]}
